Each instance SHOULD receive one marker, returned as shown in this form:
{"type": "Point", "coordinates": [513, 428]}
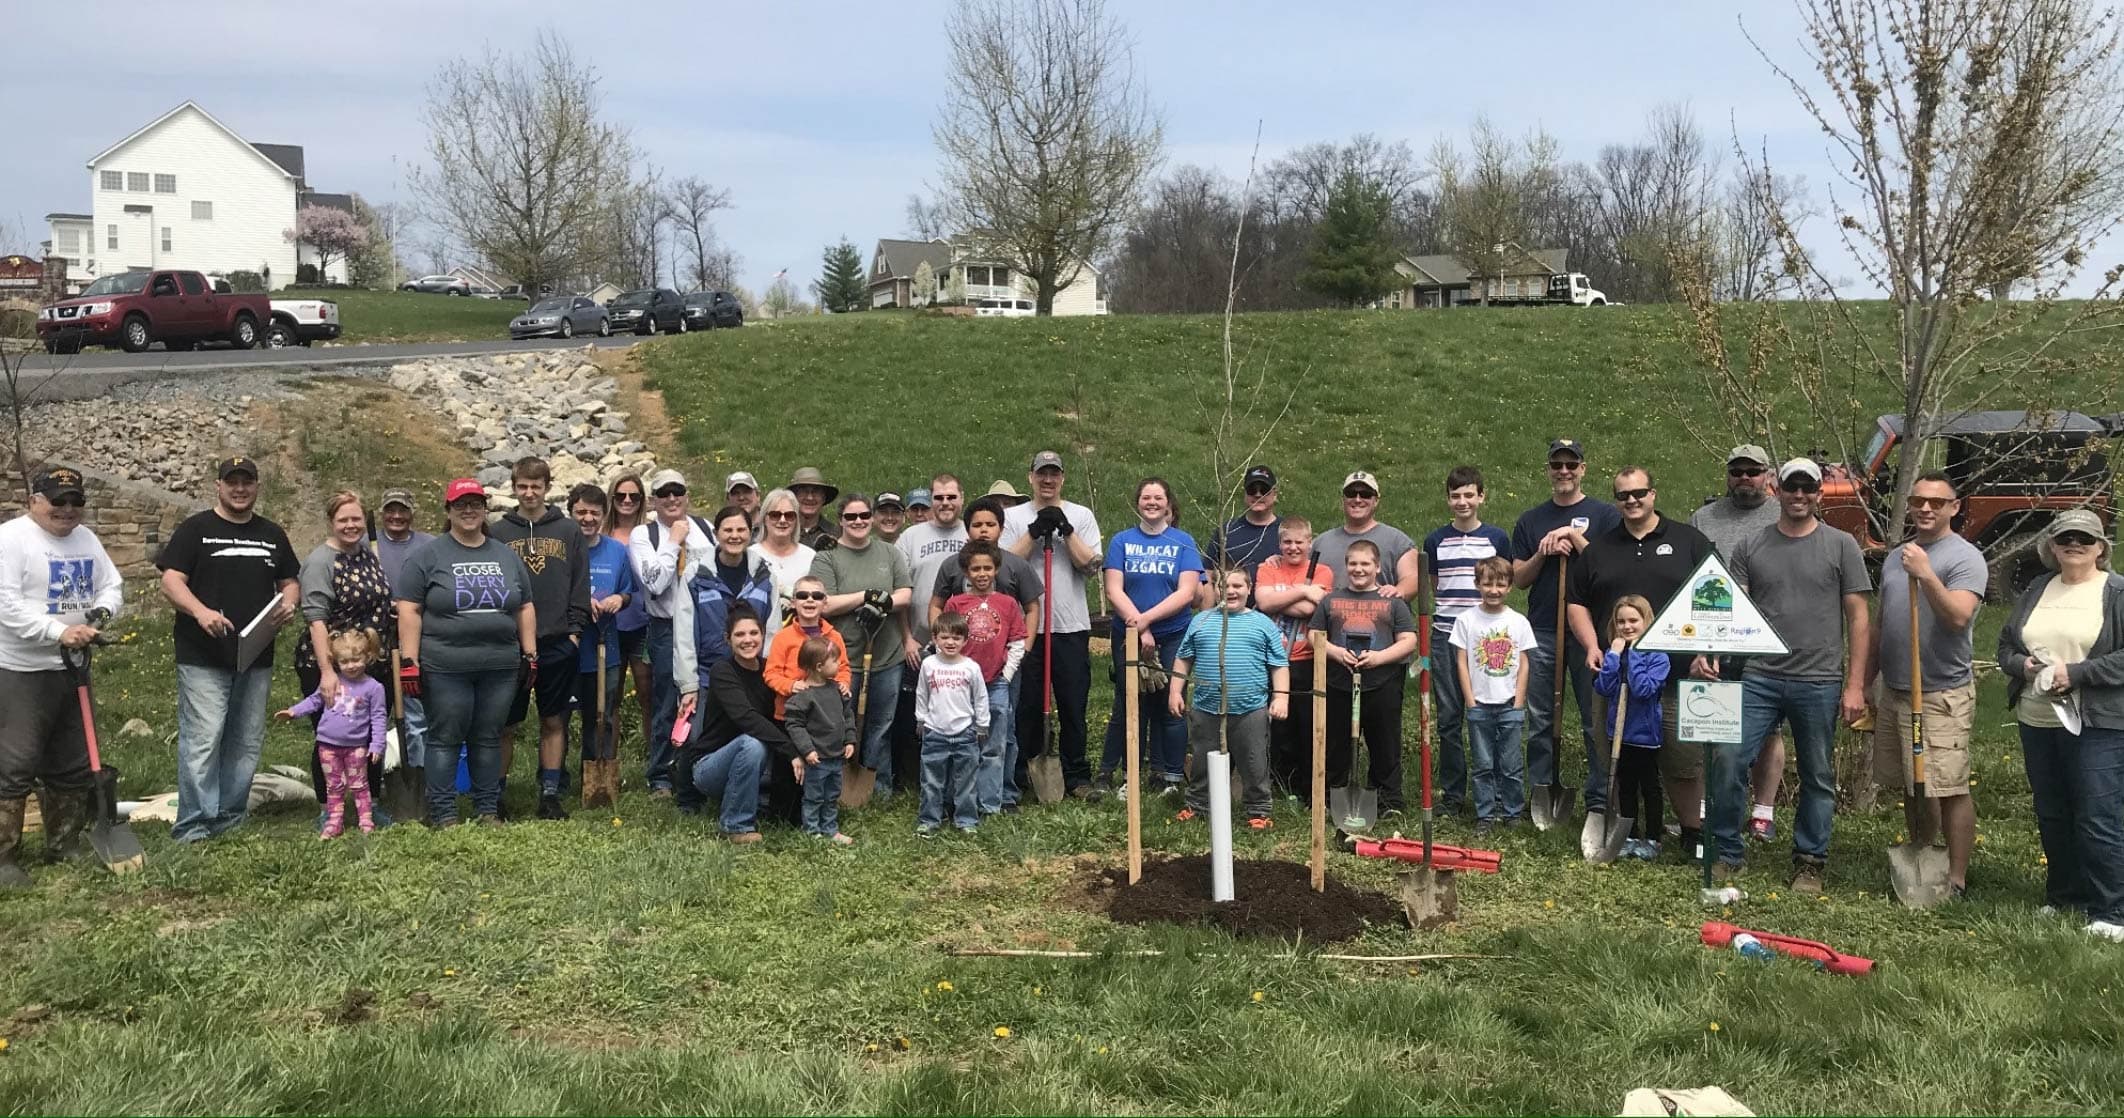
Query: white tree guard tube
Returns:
{"type": "Point", "coordinates": [1220, 820]}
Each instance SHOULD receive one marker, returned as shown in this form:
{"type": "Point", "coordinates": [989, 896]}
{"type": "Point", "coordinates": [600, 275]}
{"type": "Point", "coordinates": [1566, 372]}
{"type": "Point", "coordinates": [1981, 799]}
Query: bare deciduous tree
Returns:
{"type": "Point", "coordinates": [1045, 135]}
{"type": "Point", "coordinates": [693, 205]}
{"type": "Point", "coordinates": [926, 220]}
{"type": "Point", "coordinates": [1746, 266]}
{"type": "Point", "coordinates": [524, 170]}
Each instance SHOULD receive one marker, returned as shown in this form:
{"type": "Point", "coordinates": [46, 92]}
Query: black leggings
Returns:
{"type": "Point", "coordinates": [1637, 781]}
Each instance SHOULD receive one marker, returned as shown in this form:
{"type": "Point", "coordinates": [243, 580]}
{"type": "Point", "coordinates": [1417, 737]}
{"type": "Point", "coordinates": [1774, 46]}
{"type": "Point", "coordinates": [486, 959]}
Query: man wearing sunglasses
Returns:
{"type": "Point", "coordinates": [1558, 527]}
{"type": "Point", "coordinates": [1745, 510]}
{"type": "Point", "coordinates": [1398, 562]}
{"type": "Point", "coordinates": [53, 574]}
{"type": "Point", "coordinates": [665, 549]}
{"type": "Point", "coordinates": [1247, 539]}
{"type": "Point", "coordinates": [1951, 576]}
{"type": "Point", "coordinates": [1650, 556]}
{"type": "Point", "coordinates": [1810, 583]}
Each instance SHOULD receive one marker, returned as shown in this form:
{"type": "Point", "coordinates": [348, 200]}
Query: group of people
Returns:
{"type": "Point", "coordinates": [930, 641]}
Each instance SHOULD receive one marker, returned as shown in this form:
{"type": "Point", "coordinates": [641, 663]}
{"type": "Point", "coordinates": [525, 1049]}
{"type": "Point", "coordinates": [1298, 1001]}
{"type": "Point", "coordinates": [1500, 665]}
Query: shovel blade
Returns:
{"type": "Point", "coordinates": [111, 837]}
{"type": "Point", "coordinates": [1609, 838]}
{"type": "Point", "coordinates": [1045, 774]}
{"type": "Point", "coordinates": [857, 786]}
{"type": "Point", "coordinates": [1551, 804]}
{"type": "Point", "coordinates": [1353, 808]}
{"type": "Point", "coordinates": [1429, 897]}
{"type": "Point", "coordinates": [1918, 874]}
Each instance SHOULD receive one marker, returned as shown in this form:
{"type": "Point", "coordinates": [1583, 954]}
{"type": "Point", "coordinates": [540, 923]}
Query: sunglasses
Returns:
{"type": "Point", "coordinates": [1800, 485]}
{"type": "Point", "coordinates": [68, 501]}
{"type": "Point", "coordinates": [854, 517]}
{"type": "Point", "coordinates": [1257, 490]}
{"type": "Point", "coordinates": [1567, 465]}
{"type": "Point", "coordinates": [1359, 495]}
{"type": "Point", "coordinates": [808, 596]}
{"type": "Point", "coordinates": [1745, 471]}
{"type": "Point", "coordinates": [2073, 539]}
{"type": "Point", "coordinates": [672, 491]}
{"type": "Point", "coordinates": [946, 498]}
{"type": "Point", "coordinates": [1632, 494]}
{"type": "Point", "coordinates": [630, 495]}
{"type": "Point", "coordinates": [1929, 503]}
{"type": "Point", "coordinates": [781, 516]}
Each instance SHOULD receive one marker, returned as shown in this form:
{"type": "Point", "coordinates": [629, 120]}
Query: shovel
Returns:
{"type": "Point", "coordinates": [1044, 771]}
{"type": "Point", "coordinates": [1427, 892]}
{"type": "Point", "coordinates": [862, 779]}
{"type": "Point", "coordinates": [1602, 840]}
{"type": "Point", "coordinates": [405, 794]}
{"type": "Point", "coordinates": [1917, 873]}
{"type": "Point", "coordinates": [597, 793]}
{"type": "Point", "coordinates": [1552, 803]}
{"type": "Point", "coordinates": [112, 837]}
{"type": "Point", "coordinates": [1353, 805]}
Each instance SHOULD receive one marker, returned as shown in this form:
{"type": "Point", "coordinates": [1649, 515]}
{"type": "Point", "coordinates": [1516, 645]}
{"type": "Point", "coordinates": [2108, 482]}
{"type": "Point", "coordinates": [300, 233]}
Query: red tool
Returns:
{"type": "Point", "coordinates": [1442, 856]}
{"type": "Point", "coordinates": [1720, 935]}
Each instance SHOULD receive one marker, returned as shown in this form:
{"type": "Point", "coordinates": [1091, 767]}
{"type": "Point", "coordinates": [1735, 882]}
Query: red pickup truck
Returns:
{"type": "Point", "coordinates": [137, 309]}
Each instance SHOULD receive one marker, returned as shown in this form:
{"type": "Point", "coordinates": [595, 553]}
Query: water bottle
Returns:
{"type": "Point", "coordinates": [1751, 947]}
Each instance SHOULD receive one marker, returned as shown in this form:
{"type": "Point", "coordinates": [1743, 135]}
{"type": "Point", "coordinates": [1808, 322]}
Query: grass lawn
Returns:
{"type": "Point", "coordinates": [408, 316]}
{"type": "Point", "coordinates": [633, 963]}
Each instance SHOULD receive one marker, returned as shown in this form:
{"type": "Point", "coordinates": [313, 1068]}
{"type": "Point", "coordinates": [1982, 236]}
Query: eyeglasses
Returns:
{"type": "Point", "coordinates": [671, 491]}
{"type": "Point", "coordinates": [1929, 503]}
{"type": "Point", "coordinates": [782, 515]}
{"type": "Point", "coordinates": [470, 506]}
{"type": "Point", "coordinates": [854, 517]}
{"type": "Point", "coordinates": [1632, 494]}
{"type": "Point", "coordinates": [808, 596]}
{"type": "Point", "coordinates": [68, 501]}
{"type": "Point", "coordinates": [2073, 539]}
{"type": "Point", "coordinates": [1745, 471]}
{"type": "Point", "coordinates": [1359, 495]}
{"type": "Point", "coordinates": [1567, 465]}
{"type": "Point", "coordinates": [629, 495]}
{"type": "Point", "coordinates": [1800, 485]}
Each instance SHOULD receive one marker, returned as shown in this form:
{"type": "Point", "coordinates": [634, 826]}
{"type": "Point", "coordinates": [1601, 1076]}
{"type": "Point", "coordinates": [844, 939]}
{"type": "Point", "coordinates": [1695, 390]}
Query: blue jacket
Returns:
{"type": "Point", "coordinates": [1648, 677]}
{"type": "Point", "coordinates": [711, 610]}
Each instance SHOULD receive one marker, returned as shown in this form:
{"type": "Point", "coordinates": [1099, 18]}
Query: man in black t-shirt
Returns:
{"type": "Point", "coordinates": [225, 570]}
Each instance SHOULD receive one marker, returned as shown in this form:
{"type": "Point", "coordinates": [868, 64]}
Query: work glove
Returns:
{"type": "Point", "coordinates": [409, 678]}
{"type": "Point", "coordinates": [879, 600]}
{"type": "Point", "coordinates": [526, 671]}
{"type": "Point", "coordinates": [1050, 522]}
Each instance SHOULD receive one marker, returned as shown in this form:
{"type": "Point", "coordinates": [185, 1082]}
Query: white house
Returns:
{"type": "Point", "coordinates": [964, 259]}
{"type": "Point", "coordinates": [186, 191]}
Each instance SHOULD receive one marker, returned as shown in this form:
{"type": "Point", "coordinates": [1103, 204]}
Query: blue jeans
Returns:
{"type": "Point", "coordinates": [1493, 739]}
{"type": "Point", "coordinates": [1165, 745]}
{"type": "Point", "coordinates": [2079, 808]}
{"type": "Point", "coordinates": [732, 775]}
{"type": "Point", "coordinates": [663, 704]}
{"type": "Point", "coordinates": [1010, 751]}
{"type": "Point", "coordinates": [1544, 744]}
{"type": "Point", "coordinates": [953, 759]}
{"type": "Point", "coordinates": [414, 746]}
{"type": "Point", "coordinates": [468, 710]}
{"type": "Point", "coordinates": [220, 731]}
{"type": "Point", "coordinates": [1448, 708]}
{"type": "Point", "coordinates": [822, 796]}
{"type": "Point", "coordinates": [992, 785]}
{"type": "Point", "coordinates": [1810, 707]}
{"type": "Point", "coordinates": [883, 705]}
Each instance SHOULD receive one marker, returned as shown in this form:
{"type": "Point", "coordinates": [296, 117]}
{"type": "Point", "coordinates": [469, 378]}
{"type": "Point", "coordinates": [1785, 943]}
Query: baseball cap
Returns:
{"type": "Point", "coordinates": [740, 478]}
{"type": "Point", "coordinates": [918, 498]}
{"type": "Point", "coordinates": [2071, 520]}
{"type": "Point", "coordinates": [1748, 452]}
{"type": "Point", "coordinates": [892, 499]}
{"type": "Point", "coordinates": [665, 477]}
{"type": "Point", "coordinates": [1360, 477]}
{"type": "Point", "coordinates": [1264, 476]}
{"type": "Point", "coordinates": [53, 481]}
{"type": "Point", "coordinates": [1569, 446]}
{"type": "Point", "coordinates": [1799, 467]}
{"type": "Point", "coordinates": [464, 487]}
{"type": "Point", "coordinates": [397, 497]}
{"type": "Point", "coordinates": [235, 464]}
{"type": "Point", "coordinates": [1045, 459]}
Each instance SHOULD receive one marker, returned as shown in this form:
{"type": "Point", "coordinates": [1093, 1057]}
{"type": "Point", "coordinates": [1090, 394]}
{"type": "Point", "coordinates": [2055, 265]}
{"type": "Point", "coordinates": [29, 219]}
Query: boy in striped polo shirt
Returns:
{"type": "Point", "coordinates": [1449, 558]}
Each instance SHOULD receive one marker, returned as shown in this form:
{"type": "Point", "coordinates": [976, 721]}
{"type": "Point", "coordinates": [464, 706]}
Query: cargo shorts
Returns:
{"type": "Point", "coordinates": [1950, 714]}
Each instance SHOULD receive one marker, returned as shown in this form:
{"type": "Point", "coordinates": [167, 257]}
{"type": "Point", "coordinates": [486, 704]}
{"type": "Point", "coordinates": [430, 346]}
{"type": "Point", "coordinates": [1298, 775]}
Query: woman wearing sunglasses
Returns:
{"type": "Point", "coordinates": [787, 557]}
{"type": "Point", "coordinates": [626, 505]}
{"type": "Point", "coordinates": [2063, 655]}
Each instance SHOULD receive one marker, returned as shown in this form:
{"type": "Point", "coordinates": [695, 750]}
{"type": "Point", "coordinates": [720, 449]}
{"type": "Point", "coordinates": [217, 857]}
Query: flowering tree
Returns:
{"type": "Point", "coordinates": [335, 234]}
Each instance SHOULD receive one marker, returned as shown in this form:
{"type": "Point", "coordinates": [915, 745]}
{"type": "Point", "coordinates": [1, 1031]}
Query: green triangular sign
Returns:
{"type": "Point", "coordinates": [1712, 615]}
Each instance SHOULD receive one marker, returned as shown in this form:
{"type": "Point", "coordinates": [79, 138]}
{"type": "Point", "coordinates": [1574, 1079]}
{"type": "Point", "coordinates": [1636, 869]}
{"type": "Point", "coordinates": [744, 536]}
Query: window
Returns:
{"type": "Point", "coordinates": [165, 184]}
{"type": "Point", "coordinates": [165, 238]}
{"type": "Point", "coordinates": [136, 181]}
{"type": "Point", "coordinates": [112, 180]}
{"type": "Point", "coordinates": [112, 234]}
{"type": "Point", "coordinates": [164, 285]}
{"type": "Point", "coordinates": [1000, 277]}
{"type": "Point", "coordinates": [202, 211]}
{"type": "Point", "coordinates": [69, 241]}
{"type": "Point", "coordinates": [193, 285]}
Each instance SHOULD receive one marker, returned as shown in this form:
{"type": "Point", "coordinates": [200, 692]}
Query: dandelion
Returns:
{"type": "Point", "coordinates": [872, 1047]}
{"type": "Point", "coordinates": [1548, 904]}
{"type": "Point", "coordinates": [1773, 896]}
{"type": "Point", "coordinates": [2042, 859]}
{"type": "Point", "coordinates": [615, 821]}
{"type": "Point", "coordinates": [1002, 1032]}
{"type": "Point", "coordinates": [3, 1044]}
{"type": "Point", "coordinates": [1712, 1027]}
{"type": "Point", "coordinates": [1979, 838]}
{"type": "Point", "coordinates": [902, 1043]}
{"type": "Point", "coordinates": [1036, 991]}
{"type": "Point", "coordinates": [944, 987]}
{"type": "Point", "coordinates": [449, 972]}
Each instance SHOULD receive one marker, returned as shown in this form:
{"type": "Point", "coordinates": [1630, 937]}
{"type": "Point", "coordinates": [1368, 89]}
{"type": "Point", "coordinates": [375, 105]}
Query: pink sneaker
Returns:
{"type": "Point", "coordinates": [1762, 830]}
{"type": "Point", "coordinates": [333, 830]}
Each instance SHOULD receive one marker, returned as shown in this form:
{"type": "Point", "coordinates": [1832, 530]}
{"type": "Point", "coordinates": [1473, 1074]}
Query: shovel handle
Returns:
{"type": "Point", "coordinates": [1917, 696]}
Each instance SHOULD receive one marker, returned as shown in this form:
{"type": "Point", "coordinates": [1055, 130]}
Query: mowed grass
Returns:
{"type": "Point", "coordinates": [408, 316]}
{"type": "Point", "coordinates": [631, 962]}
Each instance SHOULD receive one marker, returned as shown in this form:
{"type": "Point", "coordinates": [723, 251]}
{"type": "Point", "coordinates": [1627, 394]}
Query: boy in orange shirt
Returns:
{"type": "Point", "coordinates": [807, 619]}
{"type": "Point", "coordinates": [1288, 588]}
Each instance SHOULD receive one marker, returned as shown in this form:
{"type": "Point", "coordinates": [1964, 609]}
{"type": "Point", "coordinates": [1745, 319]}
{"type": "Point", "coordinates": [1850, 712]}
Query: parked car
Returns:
{"type": "Point", "coordinates": [706, 310]}
{"type": "Point", "coordinates": [139, 308]}
{"type": "Point", "coordinates": [1003, 308]}
{"type": "Point", "coordinates": [563, 317]}
{"type": "Point", "coordinates": [437, 285]}
{"type": "Point", "coordinates": [300, 322]}
{"type": "Point", "coordinates": [649, 310]}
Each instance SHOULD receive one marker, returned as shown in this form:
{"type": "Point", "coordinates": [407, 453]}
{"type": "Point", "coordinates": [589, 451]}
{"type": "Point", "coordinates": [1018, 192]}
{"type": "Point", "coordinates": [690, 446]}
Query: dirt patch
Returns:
{"type": "Point", "coordinates": [1275, 900]}
{"type": "Point", "coordinates": [649, 423]}
{"type": "Point", "coordinates": [356, 1006]}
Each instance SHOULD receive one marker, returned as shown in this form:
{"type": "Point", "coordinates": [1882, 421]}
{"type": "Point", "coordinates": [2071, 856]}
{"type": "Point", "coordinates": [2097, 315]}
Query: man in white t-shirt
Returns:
{"type": "Point", "coordinates": [1071, 532]}
{"type": "Point", "coordinates": [54, 575]}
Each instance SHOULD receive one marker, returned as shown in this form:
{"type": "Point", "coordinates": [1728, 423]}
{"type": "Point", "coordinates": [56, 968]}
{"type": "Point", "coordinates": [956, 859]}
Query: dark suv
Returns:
{"type": "Point", "coordinates": [649, 310]}
{"type": "Point", "coordinates": [707, 310]}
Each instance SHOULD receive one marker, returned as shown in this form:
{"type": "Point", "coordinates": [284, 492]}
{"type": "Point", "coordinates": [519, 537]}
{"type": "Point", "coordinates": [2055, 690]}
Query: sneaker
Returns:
{"type": "Point", "coordinates": [970, 830]}
{"type": "Point", "coordinates": [744, 838]}
{"type": "Point", "coordinates": [660, 792]}
{"type": "Point", "coordinates": [1648, 850]}
{"type": "Point", "coordinates": [332, 830]}
{"type": "Point", "coordinates": [1008, 809]}
{"type": "Point", "coordinates": [549, 806]}
{"type": "Point", "coordinates": [1762, 830]}
{"type": "Point", "coordinates": [490, 820]}
{"type": "Point", "coordinates": [1101, 785]}
{"type": "Point", "coordinates": [1261, 823]}
{"type": "Point", "coordinates": [840, 839]}
{"type": "Point", "coordinates": [2047, 910]}
{"type": "Point", "coordinates": [1089, 793]}
{"type": "Point", "coordinates": [924, 830]}
{"type": "Point", "coordinates": [1723, 871]}
{"type": "Point", "coordinates": [2107, 930]}
{"type": "Point", "coordinates": [1186, 815]}
{"type": "Point", "coordinates": [1807, 878]}
{"type": "Point", "coordinates": [1171, 786]}
{"type": "Point", "coordinates": [1483, 827]}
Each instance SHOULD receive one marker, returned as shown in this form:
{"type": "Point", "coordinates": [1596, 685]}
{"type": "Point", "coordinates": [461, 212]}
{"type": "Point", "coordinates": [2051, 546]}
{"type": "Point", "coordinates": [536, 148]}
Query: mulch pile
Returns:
{"type": "Point", "coordinates": [1273, 900]}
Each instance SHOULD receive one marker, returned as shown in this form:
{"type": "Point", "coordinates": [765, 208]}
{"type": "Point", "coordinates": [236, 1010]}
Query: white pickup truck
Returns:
{"type": "Point", "coordinates": [300, 322]}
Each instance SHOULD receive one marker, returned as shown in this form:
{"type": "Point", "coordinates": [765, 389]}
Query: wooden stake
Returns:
{"type": "Point", "coordinates": [1319, 639]}
{"type": "Point", "coordinates": [1132, 702]}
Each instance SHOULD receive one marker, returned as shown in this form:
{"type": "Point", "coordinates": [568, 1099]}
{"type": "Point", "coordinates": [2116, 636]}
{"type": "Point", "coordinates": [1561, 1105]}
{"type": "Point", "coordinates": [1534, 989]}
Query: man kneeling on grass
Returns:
{"type": "Point", "coordinates": [1242, 677]}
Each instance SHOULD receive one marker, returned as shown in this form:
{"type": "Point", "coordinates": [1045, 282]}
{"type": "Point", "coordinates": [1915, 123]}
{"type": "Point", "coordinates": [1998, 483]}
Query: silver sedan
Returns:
{"type": "Point", "coordinates": [562, 317]}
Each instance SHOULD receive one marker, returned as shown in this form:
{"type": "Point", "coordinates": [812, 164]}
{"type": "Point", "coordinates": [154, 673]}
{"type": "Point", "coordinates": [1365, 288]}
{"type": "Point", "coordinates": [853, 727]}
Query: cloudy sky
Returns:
{"type": "Point", "coordinates": [816, 116]}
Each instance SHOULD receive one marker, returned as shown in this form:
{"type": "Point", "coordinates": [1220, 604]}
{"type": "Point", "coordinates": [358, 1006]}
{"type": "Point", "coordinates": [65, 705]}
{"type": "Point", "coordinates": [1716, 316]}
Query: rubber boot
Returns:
{"type": "Point", "coordinates": [12, 875]}
{"type": "Point", "coordinates": [66, 820]}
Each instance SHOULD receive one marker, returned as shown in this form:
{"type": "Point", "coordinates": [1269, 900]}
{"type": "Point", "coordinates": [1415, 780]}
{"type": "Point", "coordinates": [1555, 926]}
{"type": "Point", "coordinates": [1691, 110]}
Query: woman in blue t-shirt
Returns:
{"type": "Point", "coordinates": [1152, 570]}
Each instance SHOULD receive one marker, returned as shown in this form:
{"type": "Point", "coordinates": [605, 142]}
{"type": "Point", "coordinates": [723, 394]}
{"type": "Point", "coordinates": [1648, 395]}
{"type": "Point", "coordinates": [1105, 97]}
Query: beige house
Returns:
{"type": "Point", "coordinates": [1444, 281]}
{"type": "Point", "coordinates": [963, 261]}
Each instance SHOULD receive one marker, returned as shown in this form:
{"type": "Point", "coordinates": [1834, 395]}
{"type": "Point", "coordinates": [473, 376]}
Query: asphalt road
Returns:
{"type": "Point", "coordinates": [83, 375]}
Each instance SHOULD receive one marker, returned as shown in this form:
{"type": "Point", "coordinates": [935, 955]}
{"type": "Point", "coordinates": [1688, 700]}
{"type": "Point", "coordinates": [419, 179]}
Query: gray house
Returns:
{"type": "Point", "coordinates": [1445, 281]}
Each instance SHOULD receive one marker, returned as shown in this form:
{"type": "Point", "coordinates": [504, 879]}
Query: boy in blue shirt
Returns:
{"type": "Point", "coordinates": [1449, 557]}
{"type": "Point", "coordinates": [612, 587]}
{"type": "Point", "coordinates": [1242, 677]}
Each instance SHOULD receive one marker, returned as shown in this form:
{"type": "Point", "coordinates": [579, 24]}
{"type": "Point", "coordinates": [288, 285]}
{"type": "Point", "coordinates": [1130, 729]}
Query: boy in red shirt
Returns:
{"type": "Point", "coordinates": [995, 639]}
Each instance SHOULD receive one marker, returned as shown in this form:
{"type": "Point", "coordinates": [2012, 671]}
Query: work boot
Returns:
{"type": "Point", "coordinates": [12, 875]}
{"type": "Point", "coordinates": [549, 806]}
{"type": "Point", "coordinates": [1807, 875]}
{"type": "Point", "coordinates": [66, 817]}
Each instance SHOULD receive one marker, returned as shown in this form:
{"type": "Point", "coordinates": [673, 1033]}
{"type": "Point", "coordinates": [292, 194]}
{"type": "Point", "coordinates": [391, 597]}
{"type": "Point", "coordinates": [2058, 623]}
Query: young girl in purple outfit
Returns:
{"type": "Point", "coordinates": [350, 730]}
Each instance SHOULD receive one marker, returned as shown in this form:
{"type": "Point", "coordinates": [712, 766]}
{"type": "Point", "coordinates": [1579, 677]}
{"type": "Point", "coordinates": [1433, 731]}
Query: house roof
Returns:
{"type": "Point", "coordinates": [69, 217]}
{"type": "Point", "coordinates": [287, 156]}
{"type": "Point", "coordinates": [341, 202]}
{"type": "Point", "coordinates": [1447, 270]}
{"type": "Point", "coordinates": [901, 257]}
{"type": "Point", "coordinates": [2008, 422]}
{"type": "Point", "coordinates": [209, 117]}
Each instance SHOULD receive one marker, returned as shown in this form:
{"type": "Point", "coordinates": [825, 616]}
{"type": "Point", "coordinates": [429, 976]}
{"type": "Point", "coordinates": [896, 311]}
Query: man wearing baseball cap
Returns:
{"type": "Point", "coordinates": [918, 506]}
{"type": "Point", "coordinates": [1360, 510]}
{"type": "Point", "coordinates": [1048, 526]}
{"type": "Point", "coordinates": [396, 539]}
{"type": "Point", "coordinates": [1247, 539]}
{"type": "Point", "coordinates": [1789, 571]}
{"type": "Point", "coordinates": [665, 548]}
{"type": "Point", "coordinates": [57, 588]}
{"type": "Point", "coordinates": [742, 490]}
{"type": "Point", "coordinates": [1745, 510]}
{"type": "Point", "coordinates": [223, 569]}
{"type": "Point", "coordinates": [891, 511]}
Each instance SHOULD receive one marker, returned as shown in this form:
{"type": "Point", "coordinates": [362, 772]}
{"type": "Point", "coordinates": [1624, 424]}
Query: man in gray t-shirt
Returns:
{"type": "Point", "coordinates": [1809, 582]}
{"type": "Point", "coordinates": [1398, 559]}
{"type": "Point", "coordinates": [1748, 506]}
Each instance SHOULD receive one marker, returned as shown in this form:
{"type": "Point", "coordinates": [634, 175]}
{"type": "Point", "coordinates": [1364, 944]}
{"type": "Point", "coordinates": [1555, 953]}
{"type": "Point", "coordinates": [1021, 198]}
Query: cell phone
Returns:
{"type": "Point", "coordinates": [682, 730]}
